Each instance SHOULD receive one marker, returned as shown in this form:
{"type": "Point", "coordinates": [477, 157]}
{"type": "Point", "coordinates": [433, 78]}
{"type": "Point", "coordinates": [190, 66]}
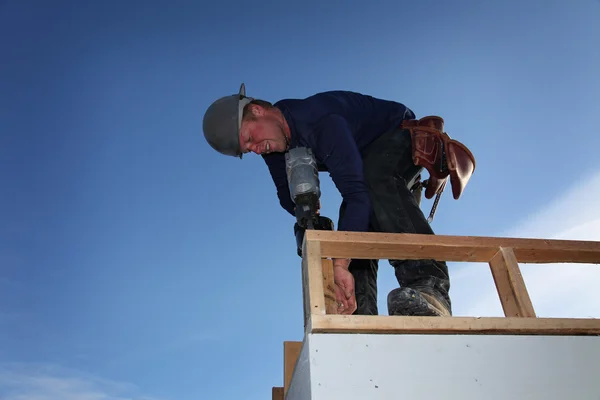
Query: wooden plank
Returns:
{"type": "Point", "coordinates": [312, 276]}
{"type": "Point", "coordinates": [510, 285]}
{"type": "Point", "coordinates": [328, 287]}
{"type": "Point", "coordinates": [453, 325]}
{"type": "Point", "coordinates": [374, 245]}
{"type": "Point", "coordinates": [277, 393]}
{"type": "Point", "coordinates": [291, 352]}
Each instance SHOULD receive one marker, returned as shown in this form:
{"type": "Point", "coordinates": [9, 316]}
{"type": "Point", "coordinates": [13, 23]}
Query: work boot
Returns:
{"type": "Point", "coordinates": [423, 301]}
{"type": "Point", "coordinates": [424, 287]}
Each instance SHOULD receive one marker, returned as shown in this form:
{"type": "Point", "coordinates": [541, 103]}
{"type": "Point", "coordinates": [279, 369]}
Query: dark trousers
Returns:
{"type": "Point", "coordinates": [388, 166]}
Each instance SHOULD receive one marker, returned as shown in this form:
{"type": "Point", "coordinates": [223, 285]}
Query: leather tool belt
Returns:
{"type": "Point", "coordinates": [442, 156]}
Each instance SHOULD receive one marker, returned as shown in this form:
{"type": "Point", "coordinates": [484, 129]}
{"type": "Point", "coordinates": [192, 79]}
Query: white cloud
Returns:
{"type": "Point", "coordinates": [556, 290]}
{"type": "Point", "coordinates": [49, 382]}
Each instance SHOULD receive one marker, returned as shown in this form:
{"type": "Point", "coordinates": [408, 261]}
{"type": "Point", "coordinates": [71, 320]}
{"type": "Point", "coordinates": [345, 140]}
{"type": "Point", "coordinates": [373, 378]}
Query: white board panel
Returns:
{"type": "Point", "coordinates": [365, 366]}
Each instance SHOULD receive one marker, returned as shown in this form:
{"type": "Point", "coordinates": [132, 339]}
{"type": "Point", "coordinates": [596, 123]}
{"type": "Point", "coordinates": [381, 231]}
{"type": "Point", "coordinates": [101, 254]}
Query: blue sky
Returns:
{"type": "Point", "coordinates": [137, 263]}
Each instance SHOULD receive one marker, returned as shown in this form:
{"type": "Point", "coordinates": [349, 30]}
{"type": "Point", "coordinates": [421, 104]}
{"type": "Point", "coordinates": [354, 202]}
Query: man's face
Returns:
{"type": "Point", "coordinates": [263, 135]}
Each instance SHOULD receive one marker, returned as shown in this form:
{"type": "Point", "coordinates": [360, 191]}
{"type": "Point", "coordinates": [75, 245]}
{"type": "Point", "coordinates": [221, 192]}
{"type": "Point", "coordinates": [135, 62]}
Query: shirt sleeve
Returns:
{"type": "Point", "coordinates": [276, 164]}
{"type": "Point", "coordinates": [335, 146]}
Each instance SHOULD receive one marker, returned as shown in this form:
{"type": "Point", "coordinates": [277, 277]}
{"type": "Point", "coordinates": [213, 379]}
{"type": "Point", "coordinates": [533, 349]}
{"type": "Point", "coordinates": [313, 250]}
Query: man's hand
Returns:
{"type": "Point", "coordinates": [344, 287]}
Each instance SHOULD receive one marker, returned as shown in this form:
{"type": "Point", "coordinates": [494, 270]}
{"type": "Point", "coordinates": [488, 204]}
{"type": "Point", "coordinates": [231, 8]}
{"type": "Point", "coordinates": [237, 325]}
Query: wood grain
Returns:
{"type": "Point", "coordinates": [312, 279]}
{"type": "Point", "coordinates": [291, 352]}
{"type": "Point", "coordinates": [374, 245]}
{"type": "Point", "coordinates": [510, 285]}
{"type": "Point", "coordinates": [328, 287]}
{"type": "Point", "coordinates": [453, 325]}
{"type": "Point", "coordinates": [277, 393]}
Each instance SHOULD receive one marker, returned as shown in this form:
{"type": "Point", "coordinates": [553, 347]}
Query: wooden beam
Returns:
{"type": "Point", "coordinates": [328, 287]}
{"type": "Point", "coordinates": [277, 393]}
{"type": "Point", "coordinates": [312, 276]}
{"type": "Point", "coordinates": [291, 352]}
{"type": "Point", "coordinates": [374, 245]}
{"type": "Point", "coordinates": [453, 325]}
{"type": "Point", "coordinates": [510, 284]}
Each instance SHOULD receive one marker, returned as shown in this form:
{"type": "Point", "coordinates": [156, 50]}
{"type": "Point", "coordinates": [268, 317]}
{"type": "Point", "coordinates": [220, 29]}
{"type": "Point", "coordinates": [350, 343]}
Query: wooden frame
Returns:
{"type": "Point", "coordinates": [502, 255]}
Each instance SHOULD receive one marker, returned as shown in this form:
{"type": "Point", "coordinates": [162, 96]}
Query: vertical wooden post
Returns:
{"type": "Point", "coordinates": [291, 352]}
{"type": "Point", "coordinates": [312, 279]}
{"type": "Point", "coordinates": [328, 287]}
{"type": "Point", "coordinates": [277, 393]}
{"type": "Point", "coordinates": [510, 284]}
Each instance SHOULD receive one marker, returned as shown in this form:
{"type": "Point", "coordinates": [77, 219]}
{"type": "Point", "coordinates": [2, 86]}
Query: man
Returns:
{"type": "Point", "coordinates": [356, 138]}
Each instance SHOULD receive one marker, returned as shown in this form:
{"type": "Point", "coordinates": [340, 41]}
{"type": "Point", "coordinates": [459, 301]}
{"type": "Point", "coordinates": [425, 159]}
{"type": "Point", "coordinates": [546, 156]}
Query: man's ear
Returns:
{"type": "Point", "coordinates": [257, 110]}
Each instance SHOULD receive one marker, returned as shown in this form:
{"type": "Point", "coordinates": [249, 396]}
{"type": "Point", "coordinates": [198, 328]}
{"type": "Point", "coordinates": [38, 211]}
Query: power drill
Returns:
{"type": "Point", "coordinates": [303, 180]}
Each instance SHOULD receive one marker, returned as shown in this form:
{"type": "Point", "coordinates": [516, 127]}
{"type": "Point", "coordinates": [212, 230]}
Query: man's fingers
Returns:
{"type": "Point", "coordinates": [342, 303]}
{"type": "Point", "coordinates": [344, 291]}
{"type": "Point", "coordinates": [348, 289]}
{"type": "Point", "coordinates": [352, 304]}
{"type": "Point", "coordinates": [350, 308]}
{"type": "Point", "coordinates": [347, 306]}
{"type": "Point", "coordinates": [347, 292]}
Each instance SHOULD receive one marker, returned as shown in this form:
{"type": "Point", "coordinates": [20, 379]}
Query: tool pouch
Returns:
{"type": "Point", "coordinates": [442, 156]}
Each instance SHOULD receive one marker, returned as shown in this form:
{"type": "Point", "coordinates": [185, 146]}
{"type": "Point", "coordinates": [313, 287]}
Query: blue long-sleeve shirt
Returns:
{"type": "Point", "coordinates": [337, 126]}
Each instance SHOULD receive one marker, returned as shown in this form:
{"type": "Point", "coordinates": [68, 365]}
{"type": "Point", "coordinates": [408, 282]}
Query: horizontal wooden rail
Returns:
{"type": "Point", "coordinates": [371, 245]}
{"type": "Point", "coordinates": [453, 325]}
{"type": "Point", "coordinates": [502, 255]}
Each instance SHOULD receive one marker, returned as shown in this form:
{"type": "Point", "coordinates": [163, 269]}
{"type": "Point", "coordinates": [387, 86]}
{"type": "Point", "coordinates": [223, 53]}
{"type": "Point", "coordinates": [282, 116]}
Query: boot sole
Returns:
{"type": "Point", "coordinates": [409, 302]}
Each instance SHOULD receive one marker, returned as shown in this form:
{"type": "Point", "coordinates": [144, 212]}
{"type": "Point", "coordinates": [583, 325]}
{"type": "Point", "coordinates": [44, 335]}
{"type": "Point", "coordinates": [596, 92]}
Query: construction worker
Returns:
{"type": "Point", "coordinates": [356, 138]}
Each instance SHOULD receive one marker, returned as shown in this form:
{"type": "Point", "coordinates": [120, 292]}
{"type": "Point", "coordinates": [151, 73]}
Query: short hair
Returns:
{"type": "Point", "coordinates": [247, 114]}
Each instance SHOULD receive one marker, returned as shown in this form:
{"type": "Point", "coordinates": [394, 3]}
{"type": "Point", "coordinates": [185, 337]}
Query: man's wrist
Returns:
{"type": "Point", "coordinates": [341, 262]}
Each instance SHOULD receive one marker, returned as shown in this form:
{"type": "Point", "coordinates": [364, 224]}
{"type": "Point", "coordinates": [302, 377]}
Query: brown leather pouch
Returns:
{"type": "Point", "coordinates": [442, 156]}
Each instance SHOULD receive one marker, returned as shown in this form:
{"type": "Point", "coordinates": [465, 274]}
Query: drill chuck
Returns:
{"type": "Point", "coordinates": [306, 206]}
{"type": "Point", "coordinates": [320, 223]}
{"type": "Point", "coordinates": [303, 181]}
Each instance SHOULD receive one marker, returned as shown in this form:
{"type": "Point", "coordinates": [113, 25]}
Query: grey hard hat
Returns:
{"type": "Point", "coordinates": [222, 122]}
